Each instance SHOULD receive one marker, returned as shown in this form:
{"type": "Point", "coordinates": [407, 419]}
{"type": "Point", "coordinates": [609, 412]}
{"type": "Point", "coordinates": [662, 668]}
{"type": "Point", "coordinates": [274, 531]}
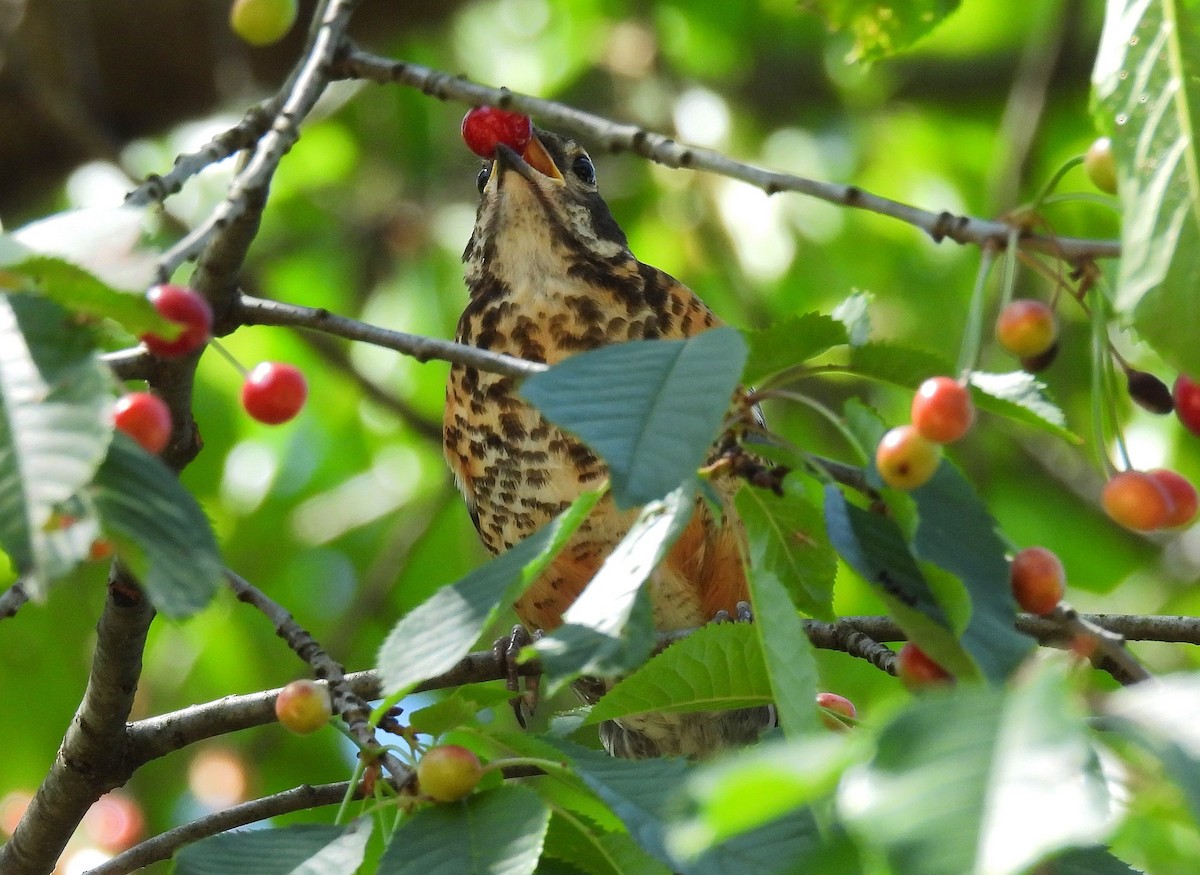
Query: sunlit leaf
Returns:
{"type": "Point", "coordinates": [790, 342]}
{"type": "Point", "coordinates": [650, 409]}
{"type": "Point", "coordinates": [497, 832]}
{"type": "Point", "coordinates": [433, 636]}
{"type": "Point", "coordinates": [980, 779]}
{"type": "Point", "coordinates": [294, 850]}
{"type": "Point", "coordinates": [719, 666]}
{"type": "Point", "coordinates": [54, 431]}
{"type": "Point", "coordinates": [1147, 91]}
{"type": "Point", "coordinates": [608, 630]}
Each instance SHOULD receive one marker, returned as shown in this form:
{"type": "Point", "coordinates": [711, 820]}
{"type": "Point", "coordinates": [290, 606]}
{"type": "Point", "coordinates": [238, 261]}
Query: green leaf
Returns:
{"type": "Point", "coordinates": [790, 342]}
{"type": "Point", "coordinates": [879, 29]}
{"type": "Point", "coordinates": [437, 633]}
{"type": "Point", "coordinates": [596, 852]}
{"type": "Point", "coordinates": [496, 832]}
{"type": "Point", "coordinates": [1164, 717]}
{"type": "Point", "coordinates": [159, 530]}
{"type": "Point", "coordinates": [956, 532]}
{"type": "Point", "coordinates": [293, 850]}
{"type": "Point", "coordinates": [54, 431]}
{"type": "Point", "coordinates": [1146, 88]}
{"type": "Point", "coordinates": [719, 666]}
{"type": "Point", "coordinates": [749, 788]}
{"type": "Point", "coordinates": [1017, 396]}
{"type": "Point", "coordinates": [976, 779]}
{"type": "Point", "coordinates": [855, 313]}
{"type": "Point", "coordinates": [1087, 861]}
{"type": "Point", "coordinates": [650, 409]}
{"type": "Point", "coordinates": [608, 629]}
{"type": "Point", "coordinates": [788, 540]}
{"type": "Point", "coordinates": [460, 708]}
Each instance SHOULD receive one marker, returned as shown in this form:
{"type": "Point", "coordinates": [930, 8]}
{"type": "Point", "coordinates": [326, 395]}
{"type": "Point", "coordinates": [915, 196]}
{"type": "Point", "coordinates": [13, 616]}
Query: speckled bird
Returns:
{"type": "Point", "coordinates": [550, 274]}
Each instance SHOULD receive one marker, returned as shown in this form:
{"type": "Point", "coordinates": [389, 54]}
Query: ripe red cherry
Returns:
{"type": "Point", "coordinates": [916, 670]}
{"type": "Point", "coordinates": [303, 706]}
{"type": "Point", "coordinates": [274, 392]}
{"type": "Point", "coordinates": [942, 410]}
{"type": "Point", "coordinates": [1027, 328]}
{"type": "Point", "coordinates": [838, 705]}
{"type": "Point", "coordinates": [1182, 494]}
{"type": "Point", "coordinates": [905, 459]}
{"type": "Point", "coordinates": [485, 127]}
{"type": "Point", "coordinates": [1137, 501]}
{"type": "Point", "coordinates": [145, 418]}
{"type": "Point", "coordinates": [188, 308]}
{"type": "Point", "coordinates": [1187, 402]}
{"type": "Point", "coordinates": [448, 773]}
{"type": "Point", "coordinates": [1038, 580]}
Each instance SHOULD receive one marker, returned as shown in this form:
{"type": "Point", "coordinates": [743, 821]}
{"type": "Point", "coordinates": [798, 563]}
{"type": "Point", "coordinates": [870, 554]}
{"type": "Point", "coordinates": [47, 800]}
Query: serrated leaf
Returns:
{"type": "Point", "coordinates": [437, 633]}
{"type": "Point", "coordinates": [609, 629]}
{"type": "Point", "coordinates": [1017, 396]}
{"type": "Point", "coordinates": [981, 780]}
{"type": "Point", "coordinates": [719, 666]}
{"type": "Point", "coordinates": [159, 530]}
{"type": "Point", "coordinates": [650, 409]}
{"type": "Point", "coordinates": [787, 538]}
{"type": "Point", "coordinates": [881, 30]}
{"type": "Point", "coordinates": [496, 832]}
{"type": "Point", "coordinates": [1146, 86]}
{"type": "Point", "coordinates": [54, 431]}
{"type": "Point", "coordinates": [104, 241]}
{"type": "Point", "coordinates": [458, 709]}
{"type": "Point", "coordinates": [956, 532]}
{"type": "Point", "coordinates": [787, 652]}
{"type": "Point", "coordinates": [293, 850]}
{"type": "Point", "coordinates": [597, 852]}
{"type": "Point", "coordinates": [1087, 861]}
{"type": "Point", "coordinates": [790, 342]}
{"type": "Point", "coordinates": [747, 789]}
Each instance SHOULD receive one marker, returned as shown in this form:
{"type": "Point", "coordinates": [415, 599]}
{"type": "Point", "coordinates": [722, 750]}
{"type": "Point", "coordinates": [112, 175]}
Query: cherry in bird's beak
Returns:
{"type": "Point", "coordinates": [534, 158]}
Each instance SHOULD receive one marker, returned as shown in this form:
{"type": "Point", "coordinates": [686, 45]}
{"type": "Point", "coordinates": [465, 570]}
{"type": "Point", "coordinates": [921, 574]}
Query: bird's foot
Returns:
{"type": "Point", "coordinates": [743, 613]}
{"type": "Point", "coordinates": [507, 651]}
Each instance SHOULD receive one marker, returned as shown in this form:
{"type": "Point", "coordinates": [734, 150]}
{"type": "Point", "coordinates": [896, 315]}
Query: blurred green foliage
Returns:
{"type": "Point", "coordinates": [348, 515]}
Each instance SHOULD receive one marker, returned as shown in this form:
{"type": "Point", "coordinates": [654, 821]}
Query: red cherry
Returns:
{"type": "Point", "coordinates": [448, 773]}
{"type": "Point", "coordinates": [942, 410]}
{"type": "Point", "coordinates": [274, 392]}
{"type": "Point", "coordinates": [1187, 402]}
{"type": "Point", "coordinates": [186, 307]}
{"type": "Point", "coordinates": [303, 706]}
{"type": "Point", "coordinates": [838, 705]}
{"type": "Point", "coordinates": [1182, 494]}
{"type": "Point", "coordinates": [145, 418]}
{"type": "Point", "coordinates": [1038, 580]}
{"type": "Point", "coordinates": [905, 459]}
{"type": "Point", "coordinates": [916, 670]}
{"type": "Point", "coordinates": [485, 127]}
{"type": "Point", "coordinates": [1137, 501]}
{"type": "Point", "coordinates": [1027, 328]}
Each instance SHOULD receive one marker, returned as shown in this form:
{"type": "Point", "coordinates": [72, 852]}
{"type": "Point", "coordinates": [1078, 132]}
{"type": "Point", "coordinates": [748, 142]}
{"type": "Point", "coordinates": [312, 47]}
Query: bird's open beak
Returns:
{"type": "Point", "coordinates": [535, 159]}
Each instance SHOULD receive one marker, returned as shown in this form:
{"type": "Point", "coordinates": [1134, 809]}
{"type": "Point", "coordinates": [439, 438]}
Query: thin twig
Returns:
{"type": "Point", "coordinates": [258, 311]}
{"type": "Point", "coordinates": [617, 137]}
{"type": "Point", "coordinates": [350, 706]}
{"type": "Point", "coordinates": [164, 845]}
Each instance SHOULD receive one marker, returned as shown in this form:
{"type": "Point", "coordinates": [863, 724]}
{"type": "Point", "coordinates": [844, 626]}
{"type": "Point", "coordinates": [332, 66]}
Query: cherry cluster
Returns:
{"type": "Point", "coordinates": [273, 392]}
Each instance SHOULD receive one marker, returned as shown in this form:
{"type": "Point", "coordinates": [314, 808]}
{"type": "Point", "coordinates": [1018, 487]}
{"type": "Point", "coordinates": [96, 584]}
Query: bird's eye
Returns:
{"type": "Point", "coordinates": [584, 169]}
{"type": "Point", "coordinates": [484, 175]}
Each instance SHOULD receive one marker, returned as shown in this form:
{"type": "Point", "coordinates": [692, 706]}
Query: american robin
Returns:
{"type": "Point", "coordinates": [550, 274]}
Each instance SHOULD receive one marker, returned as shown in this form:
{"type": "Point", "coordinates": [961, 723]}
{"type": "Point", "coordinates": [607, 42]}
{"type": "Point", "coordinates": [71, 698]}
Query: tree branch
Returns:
{"type": "Point", "coordinates": [164, 845]}
{"type": "Point", "coordinates": [617, 137]}
{"type": "Point", "coordinates": [258, 311]}
{"type": "Point", "coordinates": [91, 760]}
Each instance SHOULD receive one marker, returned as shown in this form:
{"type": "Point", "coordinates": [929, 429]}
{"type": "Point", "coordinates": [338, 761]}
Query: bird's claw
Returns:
{"type": "Point", "coordinates": [507, 651]}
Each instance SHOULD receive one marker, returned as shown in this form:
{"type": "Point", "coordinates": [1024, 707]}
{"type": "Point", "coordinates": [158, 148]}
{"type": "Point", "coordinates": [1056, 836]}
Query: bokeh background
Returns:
{"type": "Point", "coordinates": [348, 515]}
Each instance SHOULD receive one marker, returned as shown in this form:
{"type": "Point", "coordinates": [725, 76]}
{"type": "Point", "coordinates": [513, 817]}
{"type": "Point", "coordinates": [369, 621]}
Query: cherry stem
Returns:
{"type": "Point", "coordinates": [1102, 379]}
{"type": "Point", "coordinates": [812, 403]}
{"type": "Point", "coordinates": [1043, 196]}
{"type": "Point", "coordinates": [968, 356]}
{"type": "Point", "coordinates": [228, 356]}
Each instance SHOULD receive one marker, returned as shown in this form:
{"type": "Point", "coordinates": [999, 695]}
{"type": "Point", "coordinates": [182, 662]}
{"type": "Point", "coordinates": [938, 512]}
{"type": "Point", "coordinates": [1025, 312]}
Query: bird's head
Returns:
{"type": "Point", "coordinates": [541, 217]}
